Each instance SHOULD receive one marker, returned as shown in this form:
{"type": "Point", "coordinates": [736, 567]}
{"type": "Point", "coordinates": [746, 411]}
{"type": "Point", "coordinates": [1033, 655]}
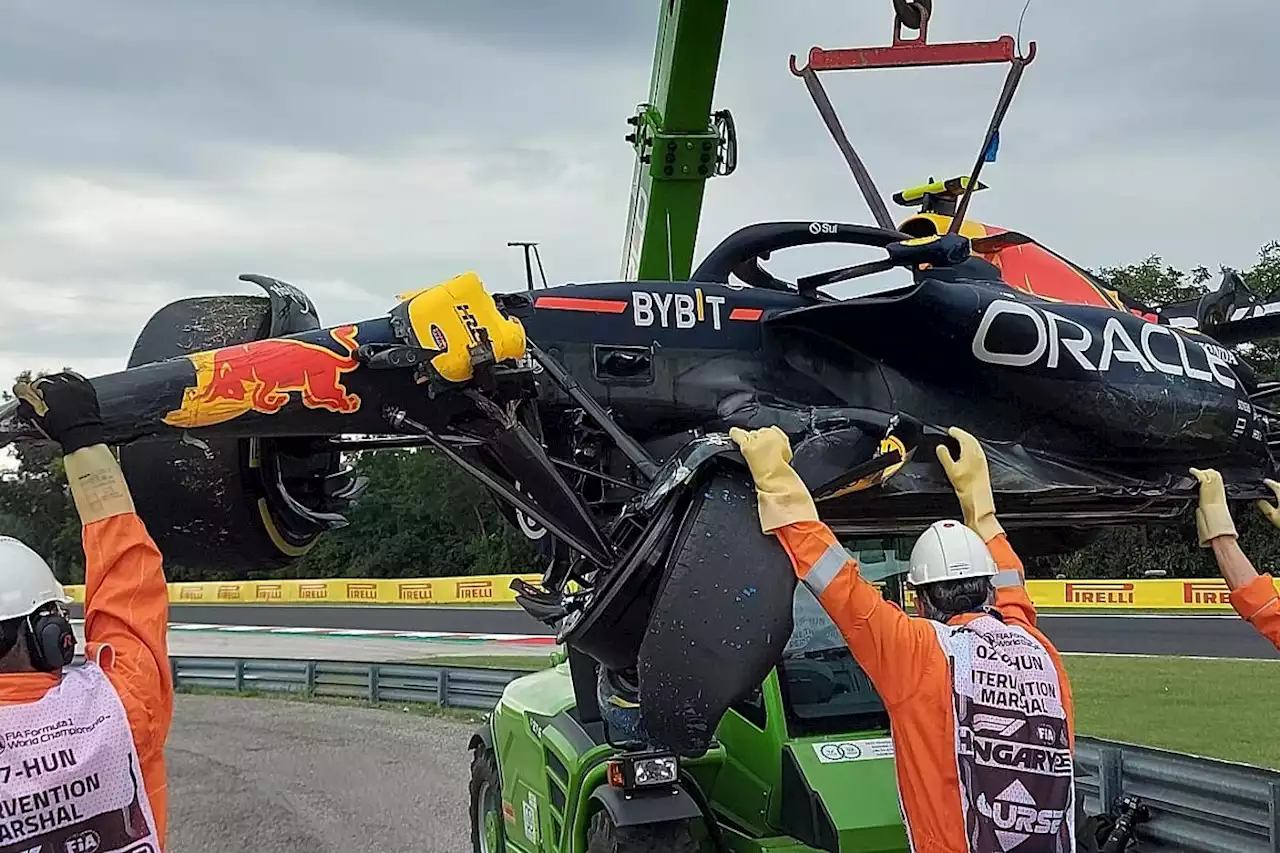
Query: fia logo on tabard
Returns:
{"type": "Point", "coordinates": [84, 842]}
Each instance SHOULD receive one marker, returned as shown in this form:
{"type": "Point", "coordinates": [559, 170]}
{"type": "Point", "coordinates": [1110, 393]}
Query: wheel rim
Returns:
{"type": "Point", "coordinates": [489, 821]}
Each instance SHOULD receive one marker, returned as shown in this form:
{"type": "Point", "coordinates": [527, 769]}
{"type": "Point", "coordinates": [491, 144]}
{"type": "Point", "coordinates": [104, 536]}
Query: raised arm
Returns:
{"type": "Point", "coordinates": [1253, 595]}
{"type": "Point", "coordinates": [892, 648]}
{"type": "Point", "coordinates": [971, 479]}
{"type": "Point", "coordinates": [126, 600]}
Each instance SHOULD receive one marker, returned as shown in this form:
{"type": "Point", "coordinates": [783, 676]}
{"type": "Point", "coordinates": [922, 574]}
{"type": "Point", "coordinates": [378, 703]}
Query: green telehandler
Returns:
{"type": "Point", "coordinates": [802, 763]}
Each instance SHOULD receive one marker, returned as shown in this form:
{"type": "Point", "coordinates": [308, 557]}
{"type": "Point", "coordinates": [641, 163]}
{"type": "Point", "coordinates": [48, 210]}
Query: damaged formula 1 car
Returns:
{"type": "Point", "coordinates": [597, 414]}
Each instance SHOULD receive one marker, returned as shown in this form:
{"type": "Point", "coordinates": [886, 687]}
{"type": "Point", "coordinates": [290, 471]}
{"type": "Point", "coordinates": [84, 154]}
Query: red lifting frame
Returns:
{"type": "Point", "coordinates": [909, 52]}
{"type": "Point", "coordinates": [904, 53]}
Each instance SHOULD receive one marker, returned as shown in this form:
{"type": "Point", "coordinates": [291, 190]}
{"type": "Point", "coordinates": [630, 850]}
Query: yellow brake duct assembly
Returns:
{"type": "Point", "coordinates": [460, 321]}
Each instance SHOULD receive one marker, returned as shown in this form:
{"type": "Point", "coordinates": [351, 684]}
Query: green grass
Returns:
{"type": "Point", "coordinates": [1214, 708]}
{"type": "Point", "coordinates": [524, 663]}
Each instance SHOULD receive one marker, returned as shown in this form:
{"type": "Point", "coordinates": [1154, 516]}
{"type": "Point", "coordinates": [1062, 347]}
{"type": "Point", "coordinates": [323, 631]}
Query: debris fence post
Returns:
{"type": "Point", "coordinates": [1273, 812]}
{"type": "Point", "coordinates": [1110, 774]}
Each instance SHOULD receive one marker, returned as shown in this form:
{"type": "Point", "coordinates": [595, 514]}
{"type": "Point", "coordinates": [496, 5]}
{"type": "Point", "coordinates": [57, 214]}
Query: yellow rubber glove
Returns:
{"type": "Point", "coordinates": [971, 479]}
{"type": "Point", "coordinates": [1213, 518]}
{"type": "Point", "coordinates": [1269, 511]}
{"type": "Point", "coordinates": [783, 497]}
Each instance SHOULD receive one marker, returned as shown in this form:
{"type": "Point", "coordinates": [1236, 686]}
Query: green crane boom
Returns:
{"type": "Point", "coordinates": [679, 143]}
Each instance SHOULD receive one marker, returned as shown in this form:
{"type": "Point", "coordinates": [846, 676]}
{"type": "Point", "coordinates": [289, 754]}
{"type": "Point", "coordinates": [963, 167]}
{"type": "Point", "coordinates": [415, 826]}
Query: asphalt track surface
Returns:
{"type": "Point", "coordinates": [209, 643]}
{"type": "Point", "coordinates": [1224, 636]}
{"type": "Point", "coordinates": [275, 776]}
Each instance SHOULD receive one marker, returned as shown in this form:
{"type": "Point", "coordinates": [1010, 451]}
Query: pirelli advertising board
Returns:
{"type": "Point", "coordinates": [1203, 595]}
{"type": "Point", "coordinates": [479, 589]}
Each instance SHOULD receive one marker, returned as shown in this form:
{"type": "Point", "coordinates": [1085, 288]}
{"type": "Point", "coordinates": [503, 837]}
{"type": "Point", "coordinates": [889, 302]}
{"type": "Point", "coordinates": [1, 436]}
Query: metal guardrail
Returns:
{"type": "Point", "coordinates": [450, 687]}
{"type": "Point", "coordinates": [1197, 805]}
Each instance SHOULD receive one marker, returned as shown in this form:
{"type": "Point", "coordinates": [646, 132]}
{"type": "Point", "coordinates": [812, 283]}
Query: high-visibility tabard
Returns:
{"type": "Point", "coordinates": [69, 774]}
{"type": "Point", "coordinates": [1012, 745]}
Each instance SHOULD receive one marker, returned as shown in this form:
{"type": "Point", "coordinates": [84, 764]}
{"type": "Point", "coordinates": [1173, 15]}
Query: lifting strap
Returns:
{"type": "Point", "coordinates": [912, 52]}
{"type": "Point", "coordinates": [1011, 81]}
{"type": "Point", "coordinates": [860, 174]}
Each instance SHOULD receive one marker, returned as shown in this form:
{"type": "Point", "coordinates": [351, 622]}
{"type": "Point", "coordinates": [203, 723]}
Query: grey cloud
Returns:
{"type": "Point", "coordinates": [169, 86]}
{"type": "Point", "coordinates": [567, 27]}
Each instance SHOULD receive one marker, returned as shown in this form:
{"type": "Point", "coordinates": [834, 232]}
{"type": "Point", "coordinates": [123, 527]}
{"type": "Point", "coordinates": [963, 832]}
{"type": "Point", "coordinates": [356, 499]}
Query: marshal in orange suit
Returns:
{"type": "Point", "coordinates": [82, 747]}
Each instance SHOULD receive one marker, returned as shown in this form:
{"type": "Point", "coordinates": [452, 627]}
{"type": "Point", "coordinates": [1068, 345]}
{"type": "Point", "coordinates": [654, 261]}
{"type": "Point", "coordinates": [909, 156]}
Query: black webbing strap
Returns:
{"type": "Point", "coordinates": [1002, 106]}
{"type": "Point", "coordinates": [860, 173]}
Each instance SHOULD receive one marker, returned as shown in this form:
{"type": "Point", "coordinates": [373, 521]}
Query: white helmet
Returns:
{"type": "Point", "coordinates": [949, 551]}
{"type": "Point", "coordinates": [26, 581]}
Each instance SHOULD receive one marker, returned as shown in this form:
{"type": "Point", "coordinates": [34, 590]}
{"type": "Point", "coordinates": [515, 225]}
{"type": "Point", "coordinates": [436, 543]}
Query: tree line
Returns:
{"type": "Point", "coordinates": [423, 517]}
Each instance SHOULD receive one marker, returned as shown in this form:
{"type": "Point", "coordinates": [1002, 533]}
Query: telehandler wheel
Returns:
{"type": "Point", "coordinates": [486, 803]}
{"type": "Point", "coordinates": [204, 502]}
{"type": "Point", "coordinates": [603, 836]}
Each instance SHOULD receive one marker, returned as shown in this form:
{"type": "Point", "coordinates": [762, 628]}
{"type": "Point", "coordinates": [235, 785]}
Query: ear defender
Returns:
{"type": "Point", "coordinates": [50, 641]}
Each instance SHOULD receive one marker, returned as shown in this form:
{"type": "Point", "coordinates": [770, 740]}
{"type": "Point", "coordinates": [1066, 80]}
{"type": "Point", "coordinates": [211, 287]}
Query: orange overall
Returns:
{"type": "Point", "coordinates": [126, 625]}
{"type": "Point", "coordinates": [1258, 603]}
{"type": "Point", "coordinates": [906, 660]}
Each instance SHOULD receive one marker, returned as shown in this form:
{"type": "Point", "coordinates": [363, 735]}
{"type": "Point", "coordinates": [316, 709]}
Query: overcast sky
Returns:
{"type": "Point", "coordinates": [155, 149]}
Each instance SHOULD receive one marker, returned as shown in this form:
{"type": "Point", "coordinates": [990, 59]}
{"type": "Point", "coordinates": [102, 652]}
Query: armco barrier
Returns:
{"type": "Point", "coordinates": [1197, 805]}
{"type": "Point", "coordinates": [451, 687]}
{"type": "Point", "coordinates": [1198, 595]}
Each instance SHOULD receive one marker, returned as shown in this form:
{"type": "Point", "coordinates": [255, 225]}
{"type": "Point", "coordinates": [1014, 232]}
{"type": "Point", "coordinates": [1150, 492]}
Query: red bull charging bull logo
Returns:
{"type": "Point", "coordinates": [262, 377]}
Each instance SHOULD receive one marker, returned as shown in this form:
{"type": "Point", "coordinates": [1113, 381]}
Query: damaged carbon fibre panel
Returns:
{"type": "Point", "coordinates": [1094, 382]}
{"type": "Point", "coordinates": [720, 622]}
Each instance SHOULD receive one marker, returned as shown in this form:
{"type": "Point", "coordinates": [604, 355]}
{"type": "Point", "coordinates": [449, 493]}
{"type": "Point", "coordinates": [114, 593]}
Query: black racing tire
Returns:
{"type": "Point", "coordinates": [201, 503]}
{"type": "Point", "coordinates": [486, 803]}
{"type": "Point", "coordinates": [542, 544]}
{"type": "Point", "coordinates": [603, 836]}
